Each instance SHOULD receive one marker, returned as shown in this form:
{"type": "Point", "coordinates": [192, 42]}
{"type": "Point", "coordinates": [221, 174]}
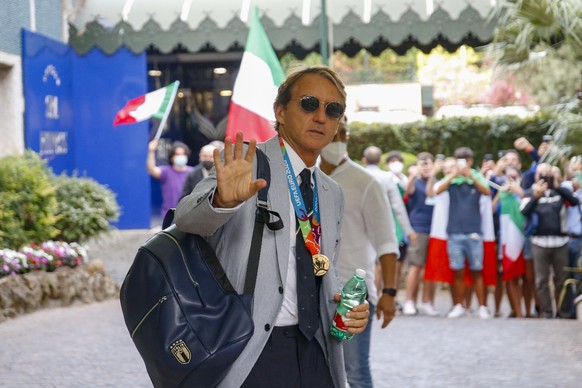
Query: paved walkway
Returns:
{"type": "Point", "coordinates": [88, 346]}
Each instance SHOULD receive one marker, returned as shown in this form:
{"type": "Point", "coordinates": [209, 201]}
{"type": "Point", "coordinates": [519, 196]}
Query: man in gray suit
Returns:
{"type": "Point", "coordinates": [282, 351]}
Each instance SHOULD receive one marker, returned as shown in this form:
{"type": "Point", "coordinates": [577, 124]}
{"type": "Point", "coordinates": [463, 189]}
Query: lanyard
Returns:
{"type": "Point", "coordinates": [310, 227]}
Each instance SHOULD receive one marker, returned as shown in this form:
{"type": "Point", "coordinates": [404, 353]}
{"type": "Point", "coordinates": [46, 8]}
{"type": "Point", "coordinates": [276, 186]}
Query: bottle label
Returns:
{"type": "Point", "coordinates": [339, 322]}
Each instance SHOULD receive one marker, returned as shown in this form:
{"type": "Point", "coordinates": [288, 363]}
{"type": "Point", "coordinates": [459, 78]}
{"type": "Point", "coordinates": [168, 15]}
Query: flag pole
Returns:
{"type": "Point", "coordinates": [167, 112]}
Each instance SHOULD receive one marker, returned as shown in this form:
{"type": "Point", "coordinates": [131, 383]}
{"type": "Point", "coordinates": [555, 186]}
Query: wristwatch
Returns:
{"type": "Point", "coordinates": [389, 291]}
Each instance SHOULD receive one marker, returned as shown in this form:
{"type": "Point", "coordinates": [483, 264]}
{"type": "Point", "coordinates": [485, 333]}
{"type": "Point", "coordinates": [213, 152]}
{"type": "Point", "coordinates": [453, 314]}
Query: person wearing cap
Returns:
{"type": "Point", "coordinates": [464, 231]}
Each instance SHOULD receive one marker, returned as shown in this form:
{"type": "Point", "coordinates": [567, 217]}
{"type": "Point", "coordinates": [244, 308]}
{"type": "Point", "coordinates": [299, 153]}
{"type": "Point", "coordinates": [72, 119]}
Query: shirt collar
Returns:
{"type": "Point", "coordinates": [296, 162]}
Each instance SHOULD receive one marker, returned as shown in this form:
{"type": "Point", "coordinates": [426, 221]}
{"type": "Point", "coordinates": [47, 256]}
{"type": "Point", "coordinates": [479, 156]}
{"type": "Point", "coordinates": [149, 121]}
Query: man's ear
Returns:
{"type": "Point", "coordinates": [280, 114]}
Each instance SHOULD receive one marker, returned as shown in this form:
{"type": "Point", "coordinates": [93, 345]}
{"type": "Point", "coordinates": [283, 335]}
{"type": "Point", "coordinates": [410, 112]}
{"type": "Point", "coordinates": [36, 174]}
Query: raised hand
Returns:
{"type": "Point", "coordinates": [234, 175]}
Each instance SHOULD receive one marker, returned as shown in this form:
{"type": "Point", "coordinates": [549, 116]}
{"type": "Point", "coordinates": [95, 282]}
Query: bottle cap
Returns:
{"type": "Point", "coordinates": [360, 273]}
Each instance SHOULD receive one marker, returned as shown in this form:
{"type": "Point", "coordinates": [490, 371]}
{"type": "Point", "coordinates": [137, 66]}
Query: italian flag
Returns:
{"type": "Point", "coordinates": [511, 228]}
{"type": "Point", "coordinates": [155, 104]}
{"type": "Point", "coordinates": [437, 261]}
{"type": "Point", "coordinates": [255, 88]}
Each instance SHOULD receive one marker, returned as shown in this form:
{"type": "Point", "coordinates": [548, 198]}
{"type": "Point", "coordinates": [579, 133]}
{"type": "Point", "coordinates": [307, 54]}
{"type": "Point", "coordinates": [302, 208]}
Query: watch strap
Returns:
{"type": "Point", "coordinates": [389, 291]}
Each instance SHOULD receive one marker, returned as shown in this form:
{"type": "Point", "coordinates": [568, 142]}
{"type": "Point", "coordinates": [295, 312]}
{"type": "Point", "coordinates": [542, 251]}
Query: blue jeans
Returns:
{"type": "Point", "coordinates": [461, 246]}
{"type": "Point", "coordinates": [357, 356]}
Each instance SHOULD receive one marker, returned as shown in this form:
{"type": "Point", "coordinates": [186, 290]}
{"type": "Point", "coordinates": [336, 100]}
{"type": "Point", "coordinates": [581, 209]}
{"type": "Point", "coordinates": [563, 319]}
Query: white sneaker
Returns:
{"type": "Point", "coordinates": [408, 308]}
{"type": "Point", "coordinates": [483, 313]}
{"type": "Point", "coordinates": [457, 311]}
{"type": "Point", "coordinates": [428, 309]}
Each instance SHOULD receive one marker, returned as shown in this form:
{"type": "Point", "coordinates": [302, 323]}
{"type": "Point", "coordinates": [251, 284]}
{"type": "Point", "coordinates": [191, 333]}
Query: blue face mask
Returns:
{"type": "Point", "coordinates": [180, 160]}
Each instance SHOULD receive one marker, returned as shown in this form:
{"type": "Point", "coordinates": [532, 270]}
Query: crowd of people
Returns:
{"type": "Point", "coordinates": [444, 221]}
{"type": "Point", "coordinates": [461, 237]}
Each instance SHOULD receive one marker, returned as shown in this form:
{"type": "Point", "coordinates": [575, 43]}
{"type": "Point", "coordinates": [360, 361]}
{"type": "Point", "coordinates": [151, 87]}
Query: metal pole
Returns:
{"type": "Point", "coordinates": [324, 34]}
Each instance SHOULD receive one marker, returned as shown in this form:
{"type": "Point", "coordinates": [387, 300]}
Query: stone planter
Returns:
{"type": "Point", "coordinates": [26, 293]}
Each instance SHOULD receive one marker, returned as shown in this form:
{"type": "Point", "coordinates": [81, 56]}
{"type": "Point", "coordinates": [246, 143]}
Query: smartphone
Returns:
{"type": "Point", "coordinates": [462, 163]}
{"type": "Point", "coordinates": [549, 179]}
{"type": "Point", "coordinates": [547, 138]}
{"type": "Point", "coordinates": [488, 157]}
{"type": "Point", "coordinates": [440, 157]}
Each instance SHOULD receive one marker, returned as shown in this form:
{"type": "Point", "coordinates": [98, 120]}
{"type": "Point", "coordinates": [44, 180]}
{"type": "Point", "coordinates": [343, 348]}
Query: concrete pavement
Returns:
{"type": "Point", "coordinates": [89, 346]}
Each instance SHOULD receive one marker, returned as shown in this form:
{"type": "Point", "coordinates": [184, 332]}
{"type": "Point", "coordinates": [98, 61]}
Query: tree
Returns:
{"type": "Point", "coordinates": [535, 35]}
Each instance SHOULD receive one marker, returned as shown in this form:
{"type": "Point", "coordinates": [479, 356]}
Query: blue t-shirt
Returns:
{"type": "Point", "coordinates": [419, 213]}
{"type": "Point", "coordinates": [464, 209]}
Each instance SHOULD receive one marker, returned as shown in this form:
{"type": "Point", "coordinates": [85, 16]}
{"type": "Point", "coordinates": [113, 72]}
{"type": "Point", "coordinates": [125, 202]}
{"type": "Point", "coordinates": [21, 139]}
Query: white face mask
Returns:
{"type": "Point", "coordinates": [396, 167]}
{"type": "Point", "coordinates": [334, 152]}
{"type": "Point", "coordinates": [180, 160]}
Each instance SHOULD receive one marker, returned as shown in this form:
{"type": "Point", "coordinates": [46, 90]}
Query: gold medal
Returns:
{"type": "Point", "coordinates": [320, 264]}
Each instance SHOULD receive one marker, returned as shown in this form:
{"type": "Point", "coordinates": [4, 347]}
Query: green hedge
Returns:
{"type": "Point", "coordinates": [28, 203]}
{"type": "Point", "coordinates": [37, 206]}
{"type": "Point", "coordinates": [85, 208]}
{"type": "Point", "coordinates": [482, 134]}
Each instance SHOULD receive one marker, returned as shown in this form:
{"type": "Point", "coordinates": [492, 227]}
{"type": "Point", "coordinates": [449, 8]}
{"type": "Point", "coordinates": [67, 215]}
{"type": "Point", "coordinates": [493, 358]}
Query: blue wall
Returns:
{"type": "Point", "coordinates": [78, 134]}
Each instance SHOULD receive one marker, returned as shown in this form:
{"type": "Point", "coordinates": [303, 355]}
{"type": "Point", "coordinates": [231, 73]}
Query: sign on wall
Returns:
{"type": "Point", "coordinates": [70, 102]}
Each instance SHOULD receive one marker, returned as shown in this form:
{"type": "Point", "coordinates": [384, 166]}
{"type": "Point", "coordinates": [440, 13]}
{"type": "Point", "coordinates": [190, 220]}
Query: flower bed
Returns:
{"type": "Point", "coordinates": [47, 256]}
{"type": "Point", "coordinates": [50, 274]}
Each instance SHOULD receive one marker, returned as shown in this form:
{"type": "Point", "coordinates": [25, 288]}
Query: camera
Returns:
{"type": "Point", "coordinates": [462, 163]}
{"type": "Point", "coordinates": [547, 138]}
{"type": "Point", "coordinates": [501, 153]}
{"type": "Point", "coordinates": [440, 156]}
{"type": "Point", "coordinates": [488, 157]}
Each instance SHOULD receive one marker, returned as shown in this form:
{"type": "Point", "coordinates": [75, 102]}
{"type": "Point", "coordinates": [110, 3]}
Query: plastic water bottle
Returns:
{"type": "Point", "coordinates": [353, 294]}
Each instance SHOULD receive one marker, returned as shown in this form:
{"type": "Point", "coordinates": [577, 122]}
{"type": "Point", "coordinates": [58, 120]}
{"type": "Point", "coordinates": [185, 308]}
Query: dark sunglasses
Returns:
{"type": "Point", "coordinates": [310, 104]}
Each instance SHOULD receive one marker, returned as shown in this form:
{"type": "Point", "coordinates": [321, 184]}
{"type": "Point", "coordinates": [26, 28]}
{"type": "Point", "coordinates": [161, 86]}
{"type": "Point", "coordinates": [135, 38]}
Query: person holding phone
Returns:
{"type": "Point", "coordinates": [523, 144]}
{"type": "Point", "coordinates": [550, 239]}
{"type": "Point", "coordinates": [464, 233]}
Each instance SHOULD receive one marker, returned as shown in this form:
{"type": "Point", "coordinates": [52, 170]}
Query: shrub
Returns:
{"type": "Point", "coordinates": [28, 202]}
{"type": "Point", "coordinates": [85, 208]}
{"type": "Point", "coordinates": [482, 134]}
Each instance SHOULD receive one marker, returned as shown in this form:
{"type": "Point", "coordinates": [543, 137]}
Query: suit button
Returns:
{"type": "Point", "coordinates": [280, 290]}
{"type": "Point", "coordinates": [267, 327]}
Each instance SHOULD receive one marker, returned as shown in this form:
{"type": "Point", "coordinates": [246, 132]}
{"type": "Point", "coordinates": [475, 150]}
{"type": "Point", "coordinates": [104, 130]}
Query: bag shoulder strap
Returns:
{"type": "Point", "coordinates": [262, 217]}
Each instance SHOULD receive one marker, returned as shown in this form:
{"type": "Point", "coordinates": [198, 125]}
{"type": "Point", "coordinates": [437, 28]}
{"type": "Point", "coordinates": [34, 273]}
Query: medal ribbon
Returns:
{"type": "Point", "coordinates": [310, 227]}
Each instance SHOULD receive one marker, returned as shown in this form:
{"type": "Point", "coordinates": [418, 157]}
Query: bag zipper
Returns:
{"type": "Point", "coordinates": [159, 302]}
{"type": "Point", "coordinates": [194, 282]}
{"type": "Point", "coordinates": [183, 259]}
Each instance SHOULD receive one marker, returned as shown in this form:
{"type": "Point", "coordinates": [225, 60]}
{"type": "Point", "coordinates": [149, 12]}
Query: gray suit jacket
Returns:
{"type": "Point", "coordinates": [229, 231]}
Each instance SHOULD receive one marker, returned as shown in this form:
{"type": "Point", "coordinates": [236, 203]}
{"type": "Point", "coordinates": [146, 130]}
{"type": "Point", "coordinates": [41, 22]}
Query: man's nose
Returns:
{"type": "Point", "coordinates": [319, 115]}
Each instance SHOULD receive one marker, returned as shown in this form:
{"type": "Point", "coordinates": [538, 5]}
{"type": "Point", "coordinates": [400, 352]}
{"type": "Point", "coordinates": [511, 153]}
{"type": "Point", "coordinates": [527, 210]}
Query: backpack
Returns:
{"type": "Point", "coordinates": [183, 314]}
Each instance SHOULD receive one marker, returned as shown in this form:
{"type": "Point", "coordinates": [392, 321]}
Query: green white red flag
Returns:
{"type": "Point", "coordinates": [512, 236]}
{"type": "Point", "coordinates": [255, 88]}
{"type": "Point", "coordinates": [155, 104]}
